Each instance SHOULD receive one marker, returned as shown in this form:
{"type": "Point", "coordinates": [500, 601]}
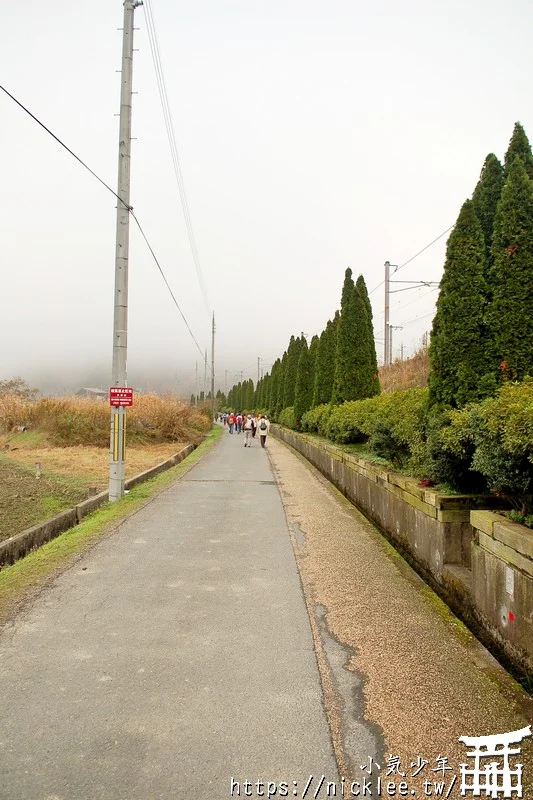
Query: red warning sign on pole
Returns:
{"type": "Point", "coordinates": [120, 396]}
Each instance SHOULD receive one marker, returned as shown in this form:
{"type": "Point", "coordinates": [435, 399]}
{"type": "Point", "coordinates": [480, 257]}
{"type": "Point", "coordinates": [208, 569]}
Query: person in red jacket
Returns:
{"type": "Point", "coordinates": [231, 422]}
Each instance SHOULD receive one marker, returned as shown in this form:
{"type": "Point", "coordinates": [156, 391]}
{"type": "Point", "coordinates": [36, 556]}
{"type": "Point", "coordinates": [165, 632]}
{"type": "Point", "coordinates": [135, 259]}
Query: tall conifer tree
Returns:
{"type": "Point", "coordinates": [519, 147]}
{"type": "Point", "coordinates": [486, 196]}
{"type": "Point", "coordinates": [361, 286]}
{"type": "Point", "coordinates": [325, 363]}
{"type": "Point", "coordinates": [304, 383]}
{"type": "Point", "coordinates": [458, 360]}
{"type": "Point", "coordinates": [313, 352]}
{"type": "Point", "coordinates": [281, 384]}
{"type": "Point", "coordinates": [291, 368]}
{"type": "Point", "coordinates": [353, 367]}
{"type": "Point", "coordinates": [509, 316]}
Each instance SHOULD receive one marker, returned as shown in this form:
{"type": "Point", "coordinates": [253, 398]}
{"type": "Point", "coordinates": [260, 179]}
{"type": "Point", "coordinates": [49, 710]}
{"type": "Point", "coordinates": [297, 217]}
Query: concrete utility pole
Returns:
{"type": "Point", "coordinates": [258, 367]}
{"type": "Point", "coordinates": [387, 287]}
{"type": "Point", "coordinates": [391, 328]}
{"type": "Point", "coordinates": [225, 383]}
{"type": "Point", "coordinates": [120, 320]}
{"type": "Point", "coordinates": [213, 368]}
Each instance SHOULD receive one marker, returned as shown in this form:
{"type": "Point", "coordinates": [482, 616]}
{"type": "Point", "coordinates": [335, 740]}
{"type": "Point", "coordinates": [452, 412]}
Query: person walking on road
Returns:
{"type": "Point", "coordinates": [263, 426]}
{"type": "Point", "coordinates": [248, 430]}
{"type": "Point", "coordinates": [231, 422]}
{"type": "Point", "coordinates": [239, 422]}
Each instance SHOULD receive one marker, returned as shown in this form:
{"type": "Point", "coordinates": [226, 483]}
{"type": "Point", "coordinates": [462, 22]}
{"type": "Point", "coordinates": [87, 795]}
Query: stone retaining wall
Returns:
{"type": "Point", "coordinates": [435, 533]}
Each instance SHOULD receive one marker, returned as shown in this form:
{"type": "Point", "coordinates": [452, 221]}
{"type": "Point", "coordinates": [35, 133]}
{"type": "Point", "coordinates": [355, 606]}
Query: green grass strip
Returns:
{"type": "Point", "coordinates": [23, 579]}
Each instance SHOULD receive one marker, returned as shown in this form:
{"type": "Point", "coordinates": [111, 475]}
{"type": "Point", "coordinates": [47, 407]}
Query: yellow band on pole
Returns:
{"type": "Point", "coordinates": [116, 422]}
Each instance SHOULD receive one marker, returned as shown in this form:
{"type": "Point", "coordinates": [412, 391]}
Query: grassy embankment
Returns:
{"type": "Point", "coordinates": [68, 437]}
{"type": "Point", "coordinates": [20, 582]}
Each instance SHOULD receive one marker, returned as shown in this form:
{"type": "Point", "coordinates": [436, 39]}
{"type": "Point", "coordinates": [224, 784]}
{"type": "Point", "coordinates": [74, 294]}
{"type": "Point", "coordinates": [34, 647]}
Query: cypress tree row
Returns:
{"type": "Point", "coordinates": [485, 198]}
{"type": "Point", "coordinates": [509, 317]}
{"type": "Point", "coordinates": [248, 402]}
{"type": "Point", "coordinates": [304, 383]}
{"type": "Point", "coordinates": [273, 387]}
{"type": "Point", "coordinates": [313, 352]}
{"type": "Point", "coordinates": [325, 363]}
{"type": "Point", "coordinates": [361, 286]}
{"type": "Point", "coordinates": [519, 147]}
{"type": "Point", "coordinates": [291, 368]}
{"type": "Point", "coordinates": [281, 385]}
{"type": "Point", "coordinates": [459, 365]}
{"type": "Point", "coordinates": [353, 367]}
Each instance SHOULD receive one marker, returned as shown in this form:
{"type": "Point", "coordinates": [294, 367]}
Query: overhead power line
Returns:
{"type": "Point", "coordinates": [158, 66]}
{"type": "Point", "coordinates": [405, 263]}
{"type": "Point", "coordinates": [130, 209]}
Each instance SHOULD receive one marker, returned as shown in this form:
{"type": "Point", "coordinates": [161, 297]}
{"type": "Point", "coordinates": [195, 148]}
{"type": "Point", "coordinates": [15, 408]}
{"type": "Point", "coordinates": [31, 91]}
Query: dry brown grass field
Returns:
{"type": "Point", "coordinates": [69, 438]}
{"type": "Point", "coordinates": [408, 374]}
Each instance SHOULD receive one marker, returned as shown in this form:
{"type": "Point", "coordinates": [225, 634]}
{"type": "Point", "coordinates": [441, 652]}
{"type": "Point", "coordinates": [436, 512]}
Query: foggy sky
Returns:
{"type": "Point", "coordinates": [312, 136]}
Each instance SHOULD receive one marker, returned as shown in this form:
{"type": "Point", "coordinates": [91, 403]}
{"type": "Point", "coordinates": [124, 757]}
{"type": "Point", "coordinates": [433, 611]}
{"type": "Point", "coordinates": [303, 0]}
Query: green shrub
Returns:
{"type": "Point", "coordinates": [449, 449]}
{"type": "Point", "coordinates": [352, 422]}
{"type": "Point", "coordinates": [286, 418]}
{"type": "Point", "coordinates": [504, 443]}
{"type": "Point", "coordinates": [313, 419]}
{"type": "Point", "coordinates": [399, 427]}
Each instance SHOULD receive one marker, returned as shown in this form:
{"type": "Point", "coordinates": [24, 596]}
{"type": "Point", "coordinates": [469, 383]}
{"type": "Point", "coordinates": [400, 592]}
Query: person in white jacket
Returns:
{"type": "Point", "coordinates": [248, 430]}
{"type": "Point", "coordinates": [263, 425]}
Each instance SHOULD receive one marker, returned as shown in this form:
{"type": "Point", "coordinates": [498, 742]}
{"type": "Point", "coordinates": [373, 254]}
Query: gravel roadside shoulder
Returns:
{"type": "Point", "coordinates": [401, 674]}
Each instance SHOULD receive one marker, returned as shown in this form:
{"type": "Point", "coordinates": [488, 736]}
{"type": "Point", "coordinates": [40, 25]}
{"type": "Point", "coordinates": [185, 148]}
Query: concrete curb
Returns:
{"type": "Point", "coordinates": [22, 543]}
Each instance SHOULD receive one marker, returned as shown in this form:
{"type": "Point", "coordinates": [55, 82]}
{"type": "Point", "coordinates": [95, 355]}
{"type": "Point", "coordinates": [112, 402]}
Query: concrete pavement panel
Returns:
{"type": "Point", "coordinates": [173, 657]}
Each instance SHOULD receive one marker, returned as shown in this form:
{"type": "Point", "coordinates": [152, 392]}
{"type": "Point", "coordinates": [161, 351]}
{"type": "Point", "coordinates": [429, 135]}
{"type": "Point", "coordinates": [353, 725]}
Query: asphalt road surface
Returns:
{"type": "Point", "coordinates": [175, 657]}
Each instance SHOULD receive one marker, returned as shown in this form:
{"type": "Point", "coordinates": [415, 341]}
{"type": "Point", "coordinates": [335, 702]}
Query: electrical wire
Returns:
{"type": "Point", "coordinates": [38, 121]}
{"type": "Point", "coordinates": [160, 78]}
{"type": "Point", "coordinates": [405, 263]}
{"type": "Point", "coordinates": [130, 209]}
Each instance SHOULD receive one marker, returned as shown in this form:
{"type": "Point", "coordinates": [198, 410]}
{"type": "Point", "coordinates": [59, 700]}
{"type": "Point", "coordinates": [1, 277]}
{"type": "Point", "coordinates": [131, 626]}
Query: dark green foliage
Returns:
{"type": "Point", "coordinates": [392, 425]}
{"type": "Point", "coordinates": [519, 147]}
{"type": "Point", "coordinates": [315, 420]}
{"type": "Point", "coordinates": [492, 444]}
{"type": "Point", "coordinates": [458, 362]}
{"type": "Point", "coordinates": [449, 451]}
{"type": "Point", "coordinates": [291, 369]}
{"type": "Point", "coordinates": [304, 384]}
{"type": "Point", "coordinates": [281, 385]}
{"type": "Point", "coordinates": [385, 444]}
{"type": "Point", "coordinates": [248, 401]}
{"type": "Point", "coordinates": [510, 317]}
{"type": "Point", "coordinates": [353, 368]}
{"type": "Point", "coordinates": [192, 400]}
{"type": "Point", "coordinates": [273, 387]}
{"type": "Point", "coordinates": [325, 363]}
{"type": "Point", "coordinates": [486, 196]}
{"type": "Point", "coordinates": [313, 352]}
{"type": "Point", "coordinates": [286, 418]}
{"type": "Point", "coordinates": [361, 286]}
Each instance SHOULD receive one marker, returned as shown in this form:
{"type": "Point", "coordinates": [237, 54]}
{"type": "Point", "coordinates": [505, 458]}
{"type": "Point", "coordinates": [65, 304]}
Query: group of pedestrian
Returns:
{"type": "Point", "coordinates": [248, 424]}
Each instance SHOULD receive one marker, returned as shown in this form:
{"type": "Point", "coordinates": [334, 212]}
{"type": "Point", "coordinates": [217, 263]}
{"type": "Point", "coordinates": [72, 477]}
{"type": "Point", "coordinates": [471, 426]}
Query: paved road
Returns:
{"type": "Point", "coordinates": [175, 655]}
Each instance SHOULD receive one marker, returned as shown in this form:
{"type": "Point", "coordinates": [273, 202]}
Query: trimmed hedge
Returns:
{"type": "Point", "coordinates": [483, 446]}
